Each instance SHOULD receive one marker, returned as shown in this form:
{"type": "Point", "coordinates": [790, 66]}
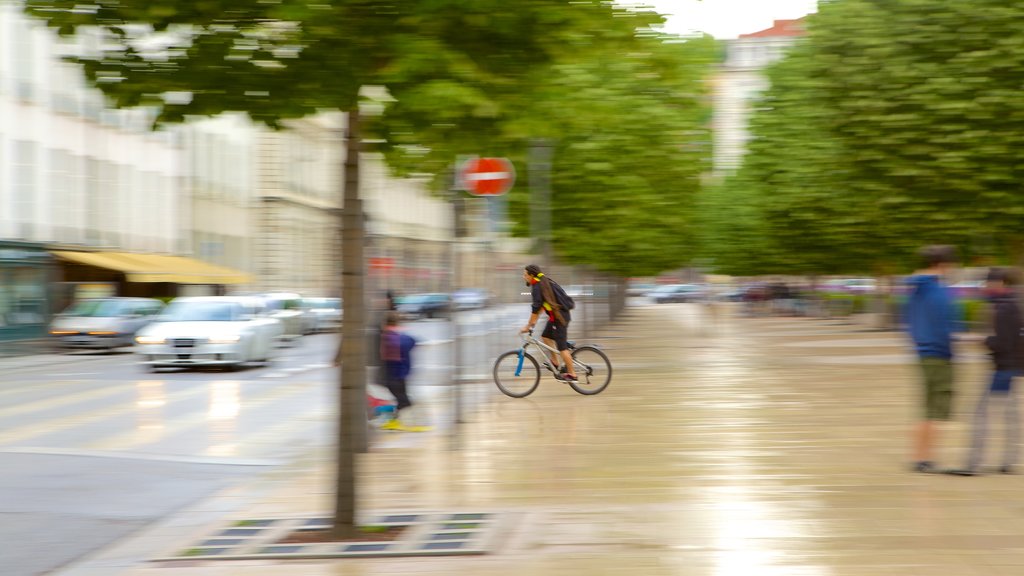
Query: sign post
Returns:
{"type": "Point", "coordinates": [490, 178]}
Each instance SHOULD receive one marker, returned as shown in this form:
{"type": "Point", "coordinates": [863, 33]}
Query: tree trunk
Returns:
{"type": "Point", "coordinates": [621, 286]}
{"type": "Point", "coordinates": [352, 420]}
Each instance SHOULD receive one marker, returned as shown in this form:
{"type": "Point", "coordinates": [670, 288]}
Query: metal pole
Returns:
{"type": "Point", "coordinates": [540, 185]}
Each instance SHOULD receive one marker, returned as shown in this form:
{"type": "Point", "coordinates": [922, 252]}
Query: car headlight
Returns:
{"type": "Point", "coordinates": [149, 339]}
{"type": "Point", "coordinates": [224, 339]}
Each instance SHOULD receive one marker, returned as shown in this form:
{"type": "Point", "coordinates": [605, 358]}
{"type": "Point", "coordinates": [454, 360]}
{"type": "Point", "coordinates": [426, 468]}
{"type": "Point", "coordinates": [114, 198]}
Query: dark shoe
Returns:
{"type": "Point", "coordinates": [569, 378]}
{"type": "Point", "coordinates": [1007, 470]}
{"type": "Point", "coordinates": [962, 472]}
{"type": "Point", "coordinates": [925, 467]}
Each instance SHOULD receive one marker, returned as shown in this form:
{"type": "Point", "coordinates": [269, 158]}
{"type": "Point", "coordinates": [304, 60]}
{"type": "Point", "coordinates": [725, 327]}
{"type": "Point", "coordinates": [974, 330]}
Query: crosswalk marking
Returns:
{"type": "Point", "coordinates": [62, 400]}
{"type": "Point", "coordinates": [133, 439]}
{"type": "Point", "coordinates": [23, 433]}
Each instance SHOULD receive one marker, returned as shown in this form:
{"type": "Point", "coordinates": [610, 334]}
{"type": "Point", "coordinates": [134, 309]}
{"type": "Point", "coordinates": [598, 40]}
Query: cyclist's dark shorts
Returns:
{"type": "Point", "coordinates": [559, 333]}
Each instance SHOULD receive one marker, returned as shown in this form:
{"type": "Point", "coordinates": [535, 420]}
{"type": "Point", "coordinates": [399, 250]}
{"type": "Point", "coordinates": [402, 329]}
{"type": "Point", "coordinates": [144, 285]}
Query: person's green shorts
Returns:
{"type": "Point", "coordinates": [938, 388]}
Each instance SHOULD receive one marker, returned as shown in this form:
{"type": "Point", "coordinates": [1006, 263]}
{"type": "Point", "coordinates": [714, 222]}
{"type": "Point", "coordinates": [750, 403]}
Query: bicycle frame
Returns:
{"type": "Point", "coordinates": [529, 338]}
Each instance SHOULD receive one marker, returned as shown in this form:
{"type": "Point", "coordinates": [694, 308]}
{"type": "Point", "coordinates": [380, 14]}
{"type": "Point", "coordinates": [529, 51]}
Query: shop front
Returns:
{"type": "Point", "coordinates": [25, 278]}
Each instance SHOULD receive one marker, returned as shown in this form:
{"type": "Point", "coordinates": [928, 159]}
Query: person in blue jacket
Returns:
{"type": "Point", "coordinates": [396, 365]}
{"type": "Point", "coordinates": [931, 319]}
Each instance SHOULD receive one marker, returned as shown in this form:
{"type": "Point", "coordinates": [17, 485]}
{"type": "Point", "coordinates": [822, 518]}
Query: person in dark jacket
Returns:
{"type": "Point", "coordinates": [396, 365]}
{"type": "Point", "coordinates": [1004, 346]}
{"type": "Point", "coordinates": [931, 321]}
{"type": "Point", "coordinates": [550, 298]}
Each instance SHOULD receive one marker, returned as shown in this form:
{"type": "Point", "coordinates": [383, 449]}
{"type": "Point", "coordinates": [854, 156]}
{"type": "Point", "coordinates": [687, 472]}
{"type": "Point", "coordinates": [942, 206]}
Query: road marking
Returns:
{"type": "Point", "coordinates": [132, 438]}
{"type": "Point", "coordinates": [146, 457]}
{"type": "Point", "coordinates": [42, 428]}
{"type": "Point", "coordinates": [62, 400]}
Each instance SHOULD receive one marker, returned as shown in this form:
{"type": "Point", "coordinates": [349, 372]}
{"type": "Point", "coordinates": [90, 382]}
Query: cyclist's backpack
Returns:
{"type": "Point", "coordinates": [564, 300]}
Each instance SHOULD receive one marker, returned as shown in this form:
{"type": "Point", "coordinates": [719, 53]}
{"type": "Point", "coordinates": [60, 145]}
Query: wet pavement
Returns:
{"type": "Point", "coordinates": [740, 446]}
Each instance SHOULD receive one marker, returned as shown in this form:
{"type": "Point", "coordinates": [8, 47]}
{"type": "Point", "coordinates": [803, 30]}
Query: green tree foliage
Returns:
{"type": "Point", "coordinates": [892, 124]}
{"type": "Point", "coordinates": [628, 116]}
{"type": "Point", "coordinates": [634, 143]}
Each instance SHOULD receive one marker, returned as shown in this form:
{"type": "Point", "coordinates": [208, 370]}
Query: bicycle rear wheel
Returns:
{"type": "Point", "coordinates": [516, 376]}
{"type": "Point", "coordinates": [593, 370]}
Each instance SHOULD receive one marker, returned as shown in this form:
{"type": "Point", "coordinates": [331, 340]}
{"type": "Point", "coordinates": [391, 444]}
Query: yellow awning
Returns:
{"type": "Point", "coordinates": [158, 267]}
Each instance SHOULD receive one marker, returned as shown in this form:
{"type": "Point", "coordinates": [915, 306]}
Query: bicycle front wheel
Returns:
{"type": "Point", "coordinates": [593, 370]}
{"type": "Point", "coordinates": [516, 376]}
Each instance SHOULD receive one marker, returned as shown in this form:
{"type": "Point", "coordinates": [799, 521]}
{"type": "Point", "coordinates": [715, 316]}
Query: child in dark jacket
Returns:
{"type": "Point", "coordinates": [396, 364]}
{"type": "Point", "coordinates": [1004, 346]}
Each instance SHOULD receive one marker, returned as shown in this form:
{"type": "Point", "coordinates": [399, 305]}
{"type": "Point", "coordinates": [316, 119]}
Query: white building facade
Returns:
{"type": "Point", "coordinates": [72, 172]}
{"type": "Point", "coordinates": [739, 83]}
{"type": "Point", "coordinates": [81, 179]}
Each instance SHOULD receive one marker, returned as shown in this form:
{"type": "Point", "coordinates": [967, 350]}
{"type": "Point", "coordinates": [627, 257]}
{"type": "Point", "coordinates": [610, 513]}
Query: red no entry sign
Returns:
{"type": "Point", "coordinates": [487, 176]}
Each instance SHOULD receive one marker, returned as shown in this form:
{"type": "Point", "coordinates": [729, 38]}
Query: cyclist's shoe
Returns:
{"type": "Point", "coordinates": [569, 378]}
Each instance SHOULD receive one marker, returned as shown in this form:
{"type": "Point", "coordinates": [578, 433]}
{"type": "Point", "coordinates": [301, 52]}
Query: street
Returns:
{"type": "Point", "coordinates": [96, 448]}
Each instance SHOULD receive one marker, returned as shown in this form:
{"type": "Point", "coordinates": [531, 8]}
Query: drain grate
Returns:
{"type": "Point", "coordinates": [427, 534]}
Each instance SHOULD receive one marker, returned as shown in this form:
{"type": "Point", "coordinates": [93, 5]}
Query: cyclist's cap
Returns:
{"type": "Point", "coordinates": [532, 269]}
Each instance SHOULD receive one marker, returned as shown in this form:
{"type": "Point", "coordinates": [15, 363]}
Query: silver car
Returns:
{"type": "Point", "coordinates": [287, 307]}
{"type": "Point", "coordinates": [223, 331]}
{"type": "Point", "coordinates": [103, 323]}
{"type": "Point", "coordinates": [324, 314]}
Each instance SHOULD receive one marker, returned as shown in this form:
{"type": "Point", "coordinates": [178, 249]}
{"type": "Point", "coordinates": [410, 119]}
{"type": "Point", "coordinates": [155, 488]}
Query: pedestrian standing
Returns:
{"type": "Point", "coordinates": [1004, 345]}
{"type": "Point", "coordinates": [931, 321]}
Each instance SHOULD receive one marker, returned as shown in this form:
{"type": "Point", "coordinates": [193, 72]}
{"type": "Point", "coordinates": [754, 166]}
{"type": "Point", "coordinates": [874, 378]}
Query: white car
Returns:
{"type": "Point", "coordinates": [287, 307]}
{"type": "Point", "coordinates": [325, 314]}
{"type": "Point", "coordinates": [221, 331]}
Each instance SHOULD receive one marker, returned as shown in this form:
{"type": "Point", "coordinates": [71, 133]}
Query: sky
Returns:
{"type": "Point", "coordinates": [728, 18]}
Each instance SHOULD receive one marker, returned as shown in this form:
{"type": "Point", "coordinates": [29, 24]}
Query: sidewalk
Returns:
{"type": "Point", "coordinates": [756, 446]}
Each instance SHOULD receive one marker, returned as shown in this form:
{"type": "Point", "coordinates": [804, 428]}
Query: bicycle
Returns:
{"type": "Point", "coordinates": [517, 372]}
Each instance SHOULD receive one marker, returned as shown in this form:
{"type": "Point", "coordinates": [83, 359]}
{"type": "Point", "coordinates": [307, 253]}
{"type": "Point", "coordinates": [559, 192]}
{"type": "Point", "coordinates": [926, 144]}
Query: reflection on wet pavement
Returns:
{"type": "Point", "coordinates": [720, 450]}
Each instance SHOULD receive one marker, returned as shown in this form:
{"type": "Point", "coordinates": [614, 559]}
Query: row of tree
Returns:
{"type": "Point", "coordinates": [893, 124]}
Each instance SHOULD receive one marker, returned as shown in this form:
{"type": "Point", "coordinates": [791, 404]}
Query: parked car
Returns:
{"type": "Point", "coordinates": [225, 331]}
{"type": "Point", "coordinates": [287, 307]}
{"type": "Point", "coordinates": [676, 293]}
{"type": "Point", "coordinates": [850, 286]}
{"type": "Point", "coordinates": [470, 298]}
{"type": "Point", "coordinates": [324, 313]}
{"type": "Point", "coordinates": [639, 289]}
{"type": "Point", "coordinates": [103, 323]}
{"type": "Point", "coordinates": [968, 289]}
{"type": "Point", "coordinates": [577, 290]}
{"type": "Point", "coordinates": [431, 305]}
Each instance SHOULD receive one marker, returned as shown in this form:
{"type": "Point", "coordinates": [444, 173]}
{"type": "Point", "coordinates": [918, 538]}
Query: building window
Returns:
{"type": "Point", "coordinates": [25, 188]}
{"type": "Point", "coordinates": [23, 70]}
{"type": "Point", "coordinates": [60, 189]}
{"type": "Point", "coordinates": [93, 202]}
{"type": "Point", "coordinates": [22, 296]}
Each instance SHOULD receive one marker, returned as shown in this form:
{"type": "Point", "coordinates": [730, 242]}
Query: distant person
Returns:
{"type": "Point", "coordinates": [931, 321]}
{"type": "Point", "coordinates": [1004, 345]}
{"type": "Point", "coordinates": [552, 299]}
{"type": "Point", "coordinates": [396, 365]}
{"type": "Point", "coordinates": [373, 333]}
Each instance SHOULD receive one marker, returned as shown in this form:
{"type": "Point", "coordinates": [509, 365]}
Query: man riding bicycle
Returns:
{"type": "Point", "coordinates": [550, 297]}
